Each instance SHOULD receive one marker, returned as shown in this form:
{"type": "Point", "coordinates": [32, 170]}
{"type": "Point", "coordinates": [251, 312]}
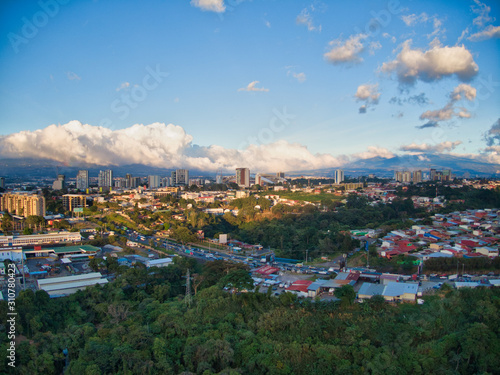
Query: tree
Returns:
{"type": "Point", "coordinates": [237, 279]}
{"type": "Point", "coordinates": [7, 223]}
{"type": "Point", "coordinates": [346, 294]}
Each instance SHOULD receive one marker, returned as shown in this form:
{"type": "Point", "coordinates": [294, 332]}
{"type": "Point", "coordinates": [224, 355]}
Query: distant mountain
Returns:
{"type": "Point", "coordinates": [40, 168]}
{"type": "Point", "coordinates": [385, 167]}
{"type": "Point", "coordinates": [382, 167]}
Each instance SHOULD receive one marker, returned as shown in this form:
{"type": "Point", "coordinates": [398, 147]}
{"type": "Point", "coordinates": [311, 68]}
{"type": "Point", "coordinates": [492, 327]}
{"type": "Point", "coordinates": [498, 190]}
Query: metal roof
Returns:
{"type": "Point", "coordinates": [370, 289]}
{"type": "Point", "coordinates": [394, 289]}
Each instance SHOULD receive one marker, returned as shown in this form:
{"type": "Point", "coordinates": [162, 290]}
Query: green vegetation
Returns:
{"type": "Point", "coordinates": [140, 324]}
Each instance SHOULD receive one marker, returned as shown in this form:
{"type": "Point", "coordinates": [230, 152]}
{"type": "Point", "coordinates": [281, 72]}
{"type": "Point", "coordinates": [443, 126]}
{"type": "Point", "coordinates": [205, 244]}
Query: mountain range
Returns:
{"type": "Point", "coordinates": [382, 167]}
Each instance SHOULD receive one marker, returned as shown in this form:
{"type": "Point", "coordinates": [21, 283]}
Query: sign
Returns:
{"type": "Point", "coordinates": [222, 238]}
{"type": "Point", "coordinates": [78, 209]}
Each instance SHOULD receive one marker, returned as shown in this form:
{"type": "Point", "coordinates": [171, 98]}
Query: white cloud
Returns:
{"type": "Point", "coordinates": [374, 46]}
{"type": "Point", "coordinates": [123, 86]}
{"type": "Point", "coordinates": [463, 90]}
{"type": "Point", "coordinates": [251, 87]}
{"type": "Point", "coordinates": [159, 145]}
{"type": "Point", "coordinates": [445, 113]}
{"type": "Point", "coordinates": [413, 19]}
{"type": "Point", "coordinates": [374, 151]}
{"type": "Point", "coordinates": [368, 93]}
{"type": "Point", "coordinates": [301, 77]}
{"type": "Point", "coordinates": [424, 147]}
{"type": "Point", "coordinates": [346, 52]}
{"type": "Point", "coordinates": [483, 12]}
{"type": "Point", "coordinates": [305, 18]}
{"type": "Point", "coordinates": [72, 76]}
{"type": "Point", "coordinates": [488, 33]}
{"type": "Point", "coordinates": [414, 64]}
{"type": "Point", "coordinates": [389, 36]}
{"type": "Point", "coordinates": [210, 5]}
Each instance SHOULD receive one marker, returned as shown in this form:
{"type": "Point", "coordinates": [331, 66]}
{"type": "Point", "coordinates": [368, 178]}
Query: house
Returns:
{"type": "Point", "coordinates": [395, 291]}
{"type": "Point", "coordinates": [488, 251]}
{"type": "Point", "coordinates": [314, 289]}
{"type": "Point", "coordinates": [368, 290]}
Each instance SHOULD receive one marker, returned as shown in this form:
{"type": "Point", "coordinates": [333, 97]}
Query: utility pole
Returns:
{"type": "Point", "coordinates": [307, 251]}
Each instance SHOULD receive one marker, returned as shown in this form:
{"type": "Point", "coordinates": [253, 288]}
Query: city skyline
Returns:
{"type": "Point", "coordinates": [212, 85]}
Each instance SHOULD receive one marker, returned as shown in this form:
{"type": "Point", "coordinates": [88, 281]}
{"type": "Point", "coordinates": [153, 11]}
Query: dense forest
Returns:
{"type": "Point", "coordinates": [142, 323]}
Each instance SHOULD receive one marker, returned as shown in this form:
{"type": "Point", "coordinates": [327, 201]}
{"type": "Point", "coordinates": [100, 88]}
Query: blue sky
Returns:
{"type": "Point", "coordinates": [342, 80]}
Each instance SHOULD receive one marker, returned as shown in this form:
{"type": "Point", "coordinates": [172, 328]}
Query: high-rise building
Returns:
{"type": "Point", "coordinates": [59, 184]}
{"type": "Point", "coordinates": [82, 180]}
{"type": "Point", "coordinates": [417, 176]}
{"type": "Point", "coordinates": [181, 177]}
{"type": "Point", "coordinates": [258, 179]}
{"type": "Point", "coordinates": [23, 204]}
{"type": "Point", "coordinates": [339, 176]}
{"type": "Point", "coordinates": [166, 181]}
{"type": "Point", "coordinates": [406, 176]}
{"type": "Point", "coordinates": [433, 175]}
{"type": "Point", "coordinates": [72, 201]}
{"type": "Point", "coordinates": [280, 174]}
{"type": "Point", "coordinates": [2, 182]}
{"type": "Point", "coordinates": [105, 178]}
{"type": "Point", "coordinates": [218, 179]}
{"type": "Point", "coordinates": [243, 177]}
{"type": "Point", "coordinates": [154, 182]}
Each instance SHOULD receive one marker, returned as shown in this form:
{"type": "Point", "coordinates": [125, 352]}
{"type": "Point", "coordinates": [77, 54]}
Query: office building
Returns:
{"type": "Point", "coordinates": [105, 178]}
{"type": "Point", "coordinates": [82, 180]}
{"type": "Point", "coordinates": [154, 182]}
{"type": "Point", "coordinates": [59, 184]}
{"type": "Point", "coordinates": [23, 204]}
{"type": "Point", "coordinates": [280, 174]}
{"type": "Point", "coordinates": [72, 201]}
{"type": "Point", "coordinates": [339, 176]}
{"type": "Point", "coordinates": [181, 177]}
{"type": "Point", "coordinates": [243, 177]}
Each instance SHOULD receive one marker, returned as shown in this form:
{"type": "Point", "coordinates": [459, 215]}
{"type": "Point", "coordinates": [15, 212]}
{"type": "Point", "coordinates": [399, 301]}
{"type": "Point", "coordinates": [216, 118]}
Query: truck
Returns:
{"type": "Point", "coordinates": [452, 277]}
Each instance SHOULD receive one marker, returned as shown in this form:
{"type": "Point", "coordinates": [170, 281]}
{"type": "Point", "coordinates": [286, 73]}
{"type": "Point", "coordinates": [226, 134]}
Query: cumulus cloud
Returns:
{"type": "Point", "coordinates": [411, 65]}
{"type": "Point", "coordinates": [368, 94]}
{"type": "Point", "coordinates": [462, 91]}
{"type": "Point", "coordinates": [160, 145]}
{"type": "Point", "coordinates": [488, 33]}
{"type": "Point", "coordinates": [445, 113]}
{"type": "Point", "coordinates": [346, 51]}
{"type": "Point", "coordinates": [492, 137]}
{"type": "Point", "coordinates": [251, 87]}
{"type": "Point", "coordinates": [123, 86]}
{"type": "Point", "coordinates": [305, 18]}
{"type": "Point", "coordinates": [72, 76]}
{"type": "Point", "coordinates": [374, 151]}
{"type": "Point", "coordinates": [216, 6]}
{"type": "Point", "coordinates": [427, 148]}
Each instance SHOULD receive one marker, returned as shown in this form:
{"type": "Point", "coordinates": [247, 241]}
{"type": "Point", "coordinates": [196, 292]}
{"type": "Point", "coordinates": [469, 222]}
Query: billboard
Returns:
{"type": "Point", "coordinates": [222, 238]}
{"type": "Point", "coordinates": [78, 209]}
